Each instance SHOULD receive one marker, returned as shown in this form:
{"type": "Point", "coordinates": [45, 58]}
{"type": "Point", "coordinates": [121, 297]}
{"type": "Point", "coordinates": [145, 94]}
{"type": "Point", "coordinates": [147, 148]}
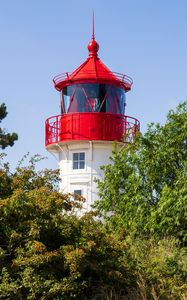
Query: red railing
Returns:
{"type": "Point", "coordinates": [91, 126]}
{"type": "Point", "coordinates": [121, 78]}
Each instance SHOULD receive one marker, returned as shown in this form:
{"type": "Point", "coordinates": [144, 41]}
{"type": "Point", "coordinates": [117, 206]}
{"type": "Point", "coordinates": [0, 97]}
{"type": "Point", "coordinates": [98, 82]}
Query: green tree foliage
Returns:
{"type": "Point", "coordinates": [144, 196]}
{"type": "Point", "coordinates": [46, 251]}
{"type": "Point", "coordinates": [159, 266]}
{"type": "Point", "coordinates": [145, 188]}
{"type": "Point", "coordinates": [6, 139]}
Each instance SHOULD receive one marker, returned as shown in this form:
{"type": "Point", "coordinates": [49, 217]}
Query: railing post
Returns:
{"type": "Point", "coordinates": [57, 133]}
{"type": "Point", "coordinates": [46, 132]}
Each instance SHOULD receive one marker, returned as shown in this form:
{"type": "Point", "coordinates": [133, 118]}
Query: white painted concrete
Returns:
{"type": "Point", "coordinates": [97, 153]}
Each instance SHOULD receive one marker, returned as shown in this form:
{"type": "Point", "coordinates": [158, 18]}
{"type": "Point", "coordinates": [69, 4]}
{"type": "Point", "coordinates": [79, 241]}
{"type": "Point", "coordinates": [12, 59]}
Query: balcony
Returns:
{"type": "Point", "coordinates": [101, 76]}
{"type": "Point", "coordinates": [90, 126]}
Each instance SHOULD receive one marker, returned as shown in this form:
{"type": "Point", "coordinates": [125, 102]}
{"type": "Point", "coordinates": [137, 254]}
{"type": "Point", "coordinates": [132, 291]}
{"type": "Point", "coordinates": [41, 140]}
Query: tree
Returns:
{"type": "Point", "coordinates": [46, 251]}
{"type": "Point", "coordinates": [6, 139]}
{"type": "Point", "coordinates": [144, 197]}
{"type": "Point", "coordinates": [144, 188]}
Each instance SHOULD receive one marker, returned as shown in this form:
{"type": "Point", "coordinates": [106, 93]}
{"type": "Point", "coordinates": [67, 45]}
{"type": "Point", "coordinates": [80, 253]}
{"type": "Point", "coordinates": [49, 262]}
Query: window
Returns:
{"type": "Point", "coordinates": [78, 160]}
{"type": "Point", "coordinates": [93, 97]}
{"type": "Point", "coordinates": [67, 93]}
{"type": "Point", "coordinates": [78, 192]}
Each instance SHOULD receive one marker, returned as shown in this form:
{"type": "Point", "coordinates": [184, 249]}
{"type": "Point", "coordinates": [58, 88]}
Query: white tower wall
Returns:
{"type": "Point", "coordinates": [82, 180]}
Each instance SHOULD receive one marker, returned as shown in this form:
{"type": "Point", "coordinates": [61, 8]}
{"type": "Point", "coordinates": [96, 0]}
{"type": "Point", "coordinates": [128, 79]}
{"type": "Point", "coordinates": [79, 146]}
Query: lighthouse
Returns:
{"type": "Point", "coordinates": [92, 118]}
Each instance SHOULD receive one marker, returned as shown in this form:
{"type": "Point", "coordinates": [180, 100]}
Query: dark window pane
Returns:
{"type": "Point", "coordinates": [120, 93]}
{"type": "Point", "coordinates": [75, 165]}
{"type": "Point", "coordinates": [75, 156]}
{"type": "Point", "coordinates": [81, 99]}
{"type": "Point", "coordinates": [91, 90]}
{"type": "Point", "coordinates": [67, 93]}
{"type": "Point", "coordinates": [66, 103]}
{"type": "Point", "coordinates": [78, 192]}
{"type": "Point", "coordinates": [82, 156]}
{"type": "Point", "coordinates": [81, 165]}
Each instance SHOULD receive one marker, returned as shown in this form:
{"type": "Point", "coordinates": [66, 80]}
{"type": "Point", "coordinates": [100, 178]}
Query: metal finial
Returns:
{"type": "Point", "coordinates": [93, 46]}
{"type": "Point", "coordinates": [93, 33]}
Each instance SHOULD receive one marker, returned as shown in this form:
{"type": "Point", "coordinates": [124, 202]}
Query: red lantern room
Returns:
{"type": "Point", "coordinates": [92, 104]}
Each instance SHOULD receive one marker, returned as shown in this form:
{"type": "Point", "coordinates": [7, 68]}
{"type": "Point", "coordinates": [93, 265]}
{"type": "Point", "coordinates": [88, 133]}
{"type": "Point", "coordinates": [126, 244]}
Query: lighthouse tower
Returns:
{"type": "Point", "coordinates": [92, 117]}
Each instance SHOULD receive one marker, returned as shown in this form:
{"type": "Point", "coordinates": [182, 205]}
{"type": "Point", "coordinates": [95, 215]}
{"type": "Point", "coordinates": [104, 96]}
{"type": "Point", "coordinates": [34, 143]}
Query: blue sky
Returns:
{"type": "Point", "coordinates": [146, 40]}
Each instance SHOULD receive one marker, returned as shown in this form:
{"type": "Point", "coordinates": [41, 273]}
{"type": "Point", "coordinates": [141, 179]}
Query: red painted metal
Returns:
{"type": "Point", "coordinates": [91, 126]}
{"type": "Point", "coordinates": [88, 76]}
{"type": "Point", "coordinates": [92, 70]}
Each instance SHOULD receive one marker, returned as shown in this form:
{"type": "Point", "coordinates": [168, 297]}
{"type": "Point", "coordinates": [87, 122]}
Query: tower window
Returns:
{"type": "Point", "coordinates": [78, 192]}
{"type": "Point", "coordinates": [79, 160]}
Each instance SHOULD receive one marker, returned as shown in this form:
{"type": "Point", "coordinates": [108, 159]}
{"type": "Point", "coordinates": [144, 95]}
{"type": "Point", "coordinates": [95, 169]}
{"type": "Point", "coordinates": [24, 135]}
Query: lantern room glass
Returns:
{"type": "Point", "coordinates": [88, 97]}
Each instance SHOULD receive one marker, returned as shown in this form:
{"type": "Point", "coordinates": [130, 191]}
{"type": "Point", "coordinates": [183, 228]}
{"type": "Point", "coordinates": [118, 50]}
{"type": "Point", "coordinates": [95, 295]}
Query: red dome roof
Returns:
{"type": "Point", "coordinates": [93, 70]}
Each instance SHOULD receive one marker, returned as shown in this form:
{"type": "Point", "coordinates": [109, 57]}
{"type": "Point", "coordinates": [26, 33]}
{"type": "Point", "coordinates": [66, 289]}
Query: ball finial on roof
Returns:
{"type": "Point", "coordinates": [93, 48]}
